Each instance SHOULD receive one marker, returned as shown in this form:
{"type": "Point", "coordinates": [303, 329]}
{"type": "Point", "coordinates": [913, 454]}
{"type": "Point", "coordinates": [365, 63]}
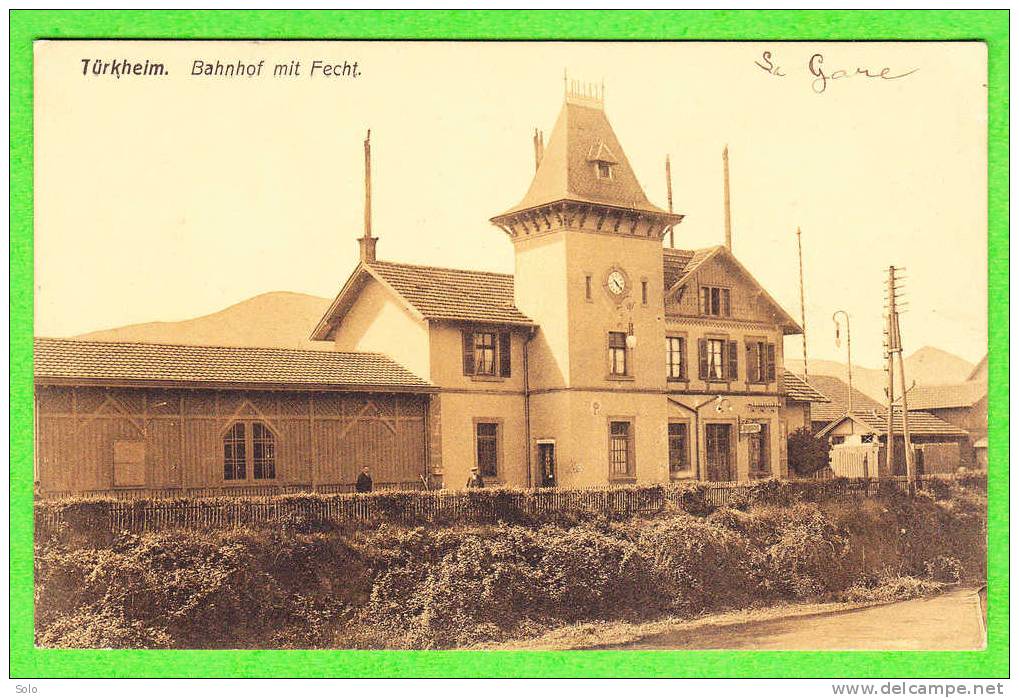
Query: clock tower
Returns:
{"type": "Point", "coordinates": [588, 251]}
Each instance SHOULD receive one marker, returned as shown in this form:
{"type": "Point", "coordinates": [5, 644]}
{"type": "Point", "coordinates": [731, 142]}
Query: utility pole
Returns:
{"type": "Point", "coordinates": [894, 347]}
{"type": "Point", "coordinates": [668, 188]}
{"type": "Point", "coordinates": [803, 308]}
{"type": "Point", "coordinates": [849, 351]}
{"type": "Point", "coordinates": [728, 212]}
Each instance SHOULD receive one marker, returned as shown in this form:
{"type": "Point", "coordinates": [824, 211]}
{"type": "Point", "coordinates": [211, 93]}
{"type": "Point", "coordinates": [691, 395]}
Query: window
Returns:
{"type": "Point", "coordinates": [717, 360]}
{"type": "Point", "coordinates": [679, 450]}
{"type": "Point", "coordinates": [486, 353]}
{"type": "Point", "coordinates": [675, 358]}
{"type": "Point", "coordinates": [715, 301]}
{"type": "Point", "coordinates": [234, 458]}
{"type": "Point", "coordinates": [249, 447]}
{"type": "Point", "coordinates": [758, 445]}
{"type": "Point", "coordinates": [643, 292]}
{"type": "Point", "coordinates": [760, 362]}
{"type": "Point", "coordinates": [617, 354]}
{"type": "Point", "coordinates": [603, 170]}
{"type": "Point", "coordinates": [487, 445]}
{"type": "Point", "coordinates": [620, 449]}
{"type": "Point", "coordinates": [587, 286]}
{"type": "Point", "coordinates": [263, 452]}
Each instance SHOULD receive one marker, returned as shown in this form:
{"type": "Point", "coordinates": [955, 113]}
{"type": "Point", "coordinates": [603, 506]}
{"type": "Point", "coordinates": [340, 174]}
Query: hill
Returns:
{"type": "Point", "coordinates": [279, 319]}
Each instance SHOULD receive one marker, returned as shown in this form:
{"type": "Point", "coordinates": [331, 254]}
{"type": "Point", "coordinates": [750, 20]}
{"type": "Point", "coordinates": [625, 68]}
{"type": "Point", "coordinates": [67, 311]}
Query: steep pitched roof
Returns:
{"type": "Point", "coordinates": [582, 136]}
{"type": "Point", "coordinates": [932, 397]}
{"type": "Point", "coordinates": [432, 293]}
{"type": "Point", "coordinates": [679, 266]}
{"type": "Point", "coordinates": [876, 422]}
{"type": "Point", "coordinates": [66, 361]}
{"type": "Point", "coordinates": [837, 391]}
{"type": "Point", "coordinates": [798, 390]}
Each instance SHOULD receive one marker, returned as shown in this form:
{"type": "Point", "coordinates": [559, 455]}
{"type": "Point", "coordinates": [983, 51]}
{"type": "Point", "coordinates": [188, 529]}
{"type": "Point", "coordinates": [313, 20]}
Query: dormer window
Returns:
{"type": "Point", "coordinates": [603, 170]}
{"type": "Point", "coordinates": [602, 157]}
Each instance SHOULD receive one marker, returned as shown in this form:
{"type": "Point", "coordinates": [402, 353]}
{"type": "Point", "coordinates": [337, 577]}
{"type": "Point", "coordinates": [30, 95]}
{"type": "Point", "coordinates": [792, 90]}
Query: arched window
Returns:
{"type": "Point", "coordinates": [249, 450]}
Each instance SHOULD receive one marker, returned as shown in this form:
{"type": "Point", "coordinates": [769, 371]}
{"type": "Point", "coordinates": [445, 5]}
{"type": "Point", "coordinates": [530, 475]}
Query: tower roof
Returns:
{"type": "Point", "coordinates": [581, 139]}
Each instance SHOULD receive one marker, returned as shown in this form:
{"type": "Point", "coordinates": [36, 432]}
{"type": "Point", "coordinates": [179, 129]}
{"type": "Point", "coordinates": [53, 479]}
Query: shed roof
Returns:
{"type": "Point", "coordinates": [74, 361]}
{"type": "Point", "coordinates": [932, 397]}
{"type": "Point", "coordinates": [837, 391]}
{"type": "Point", "coordinates": [798, 390]}
{"type": "Point", "coordinates": [876, 422]}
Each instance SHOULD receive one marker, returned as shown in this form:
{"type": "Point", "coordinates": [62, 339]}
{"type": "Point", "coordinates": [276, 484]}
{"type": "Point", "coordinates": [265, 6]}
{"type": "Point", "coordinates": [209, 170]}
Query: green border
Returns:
{"type": "Point", "coordinates": [990, 26]}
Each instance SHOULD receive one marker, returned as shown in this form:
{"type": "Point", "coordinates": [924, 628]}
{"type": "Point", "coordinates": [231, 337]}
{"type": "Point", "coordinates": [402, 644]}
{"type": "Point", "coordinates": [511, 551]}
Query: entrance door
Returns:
{"type": "Point", "coordinates": [546, 462]}
{"type": "Point", "coordinates": [718, 444]}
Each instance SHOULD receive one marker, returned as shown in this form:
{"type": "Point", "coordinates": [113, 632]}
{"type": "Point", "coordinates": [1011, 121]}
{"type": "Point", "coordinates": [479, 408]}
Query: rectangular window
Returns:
{"type": "Point", "coordinates": [715, 301]}
{"type": "Point", "coordinates": [675, 358]}
{"type": "Point", "coordinates": [620, 449]}
{"type": "Point", "coordinates": [128, 463]}
{"type": "Point", "coordinates": [643, 292]}
{"type": "Point", "coordinates": [234, 459]}
{"type": "Point", "coordinates": [587, 287]}
{"type": "Point", "coordinates": [486, 354]}
{"type": "Point", "coordinates": [487, 444]}
{"type": "Point", "coordinates": [760, 362]}
{"type": "Point", "coordinates": [679, 448]}
{"type": "Point", "coordinates": [617, 354]}
{"type": "Point", "coordinates": [717, 360]}
{"type": "Point", "coordinates": [604, 170]}
{"type": "Point", "coordinates": [759, 457]}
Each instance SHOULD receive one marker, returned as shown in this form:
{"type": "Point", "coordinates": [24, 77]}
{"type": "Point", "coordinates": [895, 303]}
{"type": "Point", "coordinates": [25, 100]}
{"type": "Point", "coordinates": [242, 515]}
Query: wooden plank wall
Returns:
{"type": "Point", "coordinates": [321, 438]}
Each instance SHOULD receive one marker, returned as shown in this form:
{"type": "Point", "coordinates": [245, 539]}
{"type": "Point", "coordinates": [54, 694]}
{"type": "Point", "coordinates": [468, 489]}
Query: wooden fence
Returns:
{"type": "Point", "coordinates": [449, 507]}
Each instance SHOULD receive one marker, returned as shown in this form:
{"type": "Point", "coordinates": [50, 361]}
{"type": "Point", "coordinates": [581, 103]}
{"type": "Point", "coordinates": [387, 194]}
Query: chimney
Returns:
{"type": "Point", "coordinates": [367, 242]}
{"type": "Point", "coordinates": [539, 148]}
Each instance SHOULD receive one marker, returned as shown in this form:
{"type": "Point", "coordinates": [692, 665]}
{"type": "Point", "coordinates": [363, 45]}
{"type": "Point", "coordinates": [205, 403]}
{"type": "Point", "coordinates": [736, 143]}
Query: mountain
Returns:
{"type": "Point", "coordinates": [279, 319]}
{"type": "Point", "coordinates": [926, 366]}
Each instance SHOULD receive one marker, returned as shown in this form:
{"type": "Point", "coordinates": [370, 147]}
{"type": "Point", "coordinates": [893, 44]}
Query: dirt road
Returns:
{"type": "Point", "coordinates": [951, 621]}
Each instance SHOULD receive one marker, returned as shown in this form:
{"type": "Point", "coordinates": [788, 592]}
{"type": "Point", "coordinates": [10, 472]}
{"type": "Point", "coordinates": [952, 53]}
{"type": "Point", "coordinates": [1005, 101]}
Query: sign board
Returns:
{"type": "Point", "coordinates": [750, 428]}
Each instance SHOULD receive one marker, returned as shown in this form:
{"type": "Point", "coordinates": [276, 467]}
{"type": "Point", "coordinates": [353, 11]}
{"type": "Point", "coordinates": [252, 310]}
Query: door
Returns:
{"type": "Point", "coordinates": [718, 444]}
{"type": "Point", "coordinates": [546, 462]}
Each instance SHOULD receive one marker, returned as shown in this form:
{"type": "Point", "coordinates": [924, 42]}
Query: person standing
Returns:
{"type": "Point", "coordinates": [475, 481]}
{"type": "Point", "coordinates": [364, 481]}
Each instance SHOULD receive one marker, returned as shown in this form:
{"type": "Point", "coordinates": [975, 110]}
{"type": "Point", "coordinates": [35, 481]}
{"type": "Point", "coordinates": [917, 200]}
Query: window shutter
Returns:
{"type": "Point", "coordinates": [682, 358]}
{"type": "Point", "coordinates": [702, 355]}
{"type": "Point", "coordinates": [771, 363]}
{"type": "Point", "coordinates": [468, 342]}
{"type": "Point", "coordinates": [733, 359]}
{"type": "Point", "coordinates": [750, 362]}
{"type": "Point", "coordinates": [725, 303]}
{"type": "Point", "coordinates": [504, 354]}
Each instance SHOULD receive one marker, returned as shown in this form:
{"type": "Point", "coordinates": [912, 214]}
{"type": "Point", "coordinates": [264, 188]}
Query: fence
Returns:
{"type": "Point", "coordinates": [449, 507]}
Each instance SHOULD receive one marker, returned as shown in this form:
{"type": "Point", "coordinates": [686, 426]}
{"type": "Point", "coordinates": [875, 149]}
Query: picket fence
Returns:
{"type": "Point", "coordinates": [442, 506]}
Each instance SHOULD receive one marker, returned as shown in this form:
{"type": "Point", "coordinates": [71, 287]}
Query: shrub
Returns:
{"type": "Point", "coordinates": [807, 454]}
{"type": "Point", "coordinates": [944, 569]}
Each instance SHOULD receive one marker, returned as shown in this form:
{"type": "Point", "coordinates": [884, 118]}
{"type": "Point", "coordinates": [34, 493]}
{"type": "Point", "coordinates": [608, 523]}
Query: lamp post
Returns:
{"type": "Point", "coordinates": [849, 351]}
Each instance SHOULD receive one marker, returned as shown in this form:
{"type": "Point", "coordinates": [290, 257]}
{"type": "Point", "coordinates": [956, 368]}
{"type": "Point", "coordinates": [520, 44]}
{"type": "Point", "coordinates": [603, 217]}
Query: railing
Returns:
{"type": "Point", "coordinates": [451, 507]}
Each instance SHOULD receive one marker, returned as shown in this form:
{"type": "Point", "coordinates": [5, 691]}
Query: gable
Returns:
{"type": "Point", "coordinates": [717, 267]}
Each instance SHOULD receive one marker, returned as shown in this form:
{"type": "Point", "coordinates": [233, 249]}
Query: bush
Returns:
{"type": "Point", "coordinates": [807, 454]}
{"type": "Point", "coordinates": [944, 569]}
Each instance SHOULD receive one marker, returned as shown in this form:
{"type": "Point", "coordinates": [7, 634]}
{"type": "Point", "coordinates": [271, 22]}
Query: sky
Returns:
{"type": "Point", "coordinates": [169, 197]}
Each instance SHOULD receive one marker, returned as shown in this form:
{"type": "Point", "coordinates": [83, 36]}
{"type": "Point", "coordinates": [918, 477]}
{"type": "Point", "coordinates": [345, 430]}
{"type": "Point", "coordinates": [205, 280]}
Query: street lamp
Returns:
{"type": "Point", "coordinates": [849, 350]}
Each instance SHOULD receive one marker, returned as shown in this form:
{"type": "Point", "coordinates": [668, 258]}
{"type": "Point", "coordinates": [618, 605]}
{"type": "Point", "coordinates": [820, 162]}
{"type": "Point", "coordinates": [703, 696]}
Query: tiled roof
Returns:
{"type": "Point", "coordinates": [920, 423]}
{"type": "Point", "coordinates": [65, 359]}
{"type": "Point", "coordinates": [454, 294]}
{"type": "Point", "coordinates": [582, 135]}
{"type": "Point", "coordinates": [932, 397]}
{"type": "Point", "coordinates": [838, 393]}
{"type": "Point", "coordinates": [798, 390]}
{"type": "Point", "coordinates": [685, 262]}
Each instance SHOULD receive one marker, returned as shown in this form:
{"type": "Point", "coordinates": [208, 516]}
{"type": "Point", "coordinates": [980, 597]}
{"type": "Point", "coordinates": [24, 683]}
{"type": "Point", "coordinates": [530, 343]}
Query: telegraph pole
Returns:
{"type": "Point", "coordinates": [894, 342]}
{"type": "Point", "coordinates": [803, 309]}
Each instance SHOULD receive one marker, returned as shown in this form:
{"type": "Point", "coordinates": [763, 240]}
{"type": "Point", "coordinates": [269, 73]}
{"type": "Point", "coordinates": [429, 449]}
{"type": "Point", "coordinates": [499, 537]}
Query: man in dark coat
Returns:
{"type": "Point", "coordinates": [475, 480]}
{"type": "Point", "coordinates": [364, 481]}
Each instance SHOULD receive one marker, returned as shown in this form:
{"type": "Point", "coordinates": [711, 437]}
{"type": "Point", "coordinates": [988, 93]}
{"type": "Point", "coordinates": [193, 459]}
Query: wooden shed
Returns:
{"type": "Point", "coordinates": [159, 419]}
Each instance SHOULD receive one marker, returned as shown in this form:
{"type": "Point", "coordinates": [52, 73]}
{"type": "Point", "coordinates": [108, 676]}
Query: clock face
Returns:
{"type": "Point", "coordinates": [617, 283]}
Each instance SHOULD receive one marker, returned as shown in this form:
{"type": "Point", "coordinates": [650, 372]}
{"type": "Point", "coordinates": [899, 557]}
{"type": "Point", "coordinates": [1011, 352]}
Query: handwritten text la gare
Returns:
{"type": "Point", "coordinates": [823, 75]}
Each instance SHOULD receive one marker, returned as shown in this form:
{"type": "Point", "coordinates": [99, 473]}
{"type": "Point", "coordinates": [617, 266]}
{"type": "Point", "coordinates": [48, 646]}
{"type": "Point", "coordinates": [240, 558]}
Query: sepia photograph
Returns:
{"type": "Point", "coordinates": [431, 345]}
